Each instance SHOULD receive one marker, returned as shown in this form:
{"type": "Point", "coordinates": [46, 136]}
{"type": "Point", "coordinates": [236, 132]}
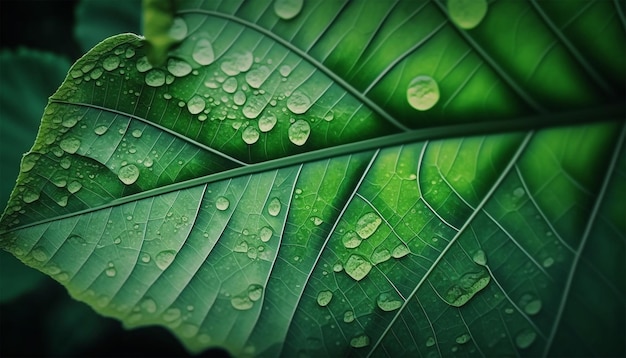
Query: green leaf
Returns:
{"type": "Point", "coordinates": [343, 178]}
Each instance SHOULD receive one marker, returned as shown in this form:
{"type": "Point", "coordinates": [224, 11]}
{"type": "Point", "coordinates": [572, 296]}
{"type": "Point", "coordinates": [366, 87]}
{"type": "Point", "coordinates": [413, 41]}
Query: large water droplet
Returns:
{"type": "Point", "coordinates": [348, 316]}
{"type": "Point", "coordinates": [351, 240]}
{"type": "Point", "coordinates": [255, 292]}
{"type": "Point", "coordinates": [70, 121]}
{"type": "Point", "coordinates": [237, 63]}
{"type": "Point", "coordinates": [155, 78]}
{"type": "Point", "coordinates": [128, 174]}
{"type": "Point", "coordinates": [265, 233]}
{"type": "Point", "coordinates": [230, 85]}
{"type": "Point", "coordinates": [178, 31]}
{"type": "Point", "coordinates": [70, 145]}
{"type": "Point", "coordinates": [324, 297]}
{"type": "Point", "coordinates": [480, 258]}
{"type": "Point", "coordinates": [525, 338]}
{"type": "Point", "coordinates": [28, 162]}
{"type": "Point", "coordinates": [100, 130]}
{"type": "Point", "coordinates": [203, 52]}
{"type": "Point", "coordinates": [422, 93]}
{"type": "Point", "coordinates": [196, 104]}
{"type": "Point", "coordinates": [164, 258]}
{"type": "Point", "coordinates": [533, 307]}
{"type": "Point", "coordinates": [256, 77]}
{"type": "Point", "coordinates": [241, 303]}
{"type": "Point", "coordinates": [298, 102]}
{"type": "Point", "coordinates": [367, 225]}
{"type": "Point", "coordinates": [388, 302]}
{"type": "Point", "coordinates": [380, 256]}
{"type": "Point", "coordinates": [30, 196]}
{"type": "Point", "coordinates": [284, 70]}
{"type": "Point", "coordinates": [178, 68]}
{"type": "Point", "coordinates": [288, 9]}
{"type": "Point", "coordinates": [267, 122]}
{"type": "Point", "coordinates": [400, 251]}
{"type": "Point", "coordinates": [357, 267]}
{"type": "Point", "coordinates": [467, 14]}
{"type": "Point", "coordinates": [74, 187]}
{"type": "Point", "coordinates": [143, 64]}
{"type": "Point", "coordinates": [111, 63]}
{"type": "Point", "coordinates": [274, 206]}
{"type": "Point", "coordinates": [239, 98]}
{"type": "Point", "coordinates": [222, 203]}
{"type": "Point", "coordinates": [360, 341]}
{"type": "Point", "coordinates": [250, 135]}
{"type": "Point", "coordinates": [299, 132]}
{"type": "Point", "coordinates": [466, 287]}
{"type": "Point", "coordinates": [148, 305]}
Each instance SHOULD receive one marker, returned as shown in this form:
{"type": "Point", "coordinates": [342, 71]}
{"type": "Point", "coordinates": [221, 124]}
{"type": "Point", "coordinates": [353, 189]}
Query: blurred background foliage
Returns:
{"type": "Point", "coordinates": [39, 39]}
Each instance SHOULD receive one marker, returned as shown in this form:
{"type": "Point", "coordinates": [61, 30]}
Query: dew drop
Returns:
{"type": "Point", "coordinates": [230, 85]}
{"type": "Point", "coordinates": [348, 316]}
{"type": "Point", "coordinates": [480, 258]}
{"type": "Point", "coordinates": [155, 78]}
{"type": "Point", "coordinates": [70, 121]}
{"type": "Point", "coordinates": [430, 341]}
{"type": "Point", "coordinates": [241, 247]}
{"type": "Point", "coordinates": [533, 307]}
{"type": "Point", "coordinates": [203, 52]}
{"type": "Point", "coordinates": [100, 130]}
{"type": "Point", "coordinates": [299, 132]}
{"type": "Point", "coordinates": [164, 258]}
{"type": "Point", "coordinates": [317, 221]}
{"type": "Point", "coordinates": [388, 302]}
{"type": "Point", "coordinates": [148, 305]}
{"type": "Point", "coordinates": [143, 64]}
{"type": "Point", "coordinates": [28, 162]}
{"type": "Point", "coordinates": [250, 135]}
{"type": "Point", "coordinates": [128, 174]}
{"type": "Point", "coordinates": [288, 9]}
{"type": "Point", "coordinates": [267, 122]}
{"type": "Point", "coordinates": [239, 98]}
{"type": "Point", "coordinates": [255, 292]}
{"type": "Point", "coordinates": [110, 271]}
{"type": "Point", "coordinates": [178, 68]}
{"type": "Point", "coordinates": [467, 14]}
{"type": "Point", "coordinates": [284, 70]}
{"type": "Point", "coordinates": [329, 116]}
{"type": "Point", "coordinates": [70, 145]}
{"type": "Point", "coordinates": [549, 261]}
{"type": "Point", "coordinates": [274, 206]}
{"type": "Point", "coordinates": [468, 285]}
{"type": "Point", "coordinates": [422, 93]}
{"type": "Point", "coordinates": [525, 338]}
{"type": "Point", "coordinates": [380, 256]}
{"type": "Point", "coordinates": [337, 267]}
{"type": "Point", "coordinates": [298, 102]}
{"type": "Point", "coordinates": [400, 251]}
{"type": "Point", "coordinates": [145, 257]}
{"type": "Point", "coordinates": [96, 73]}
{"type": "Point", "coordinates": [265, 233]}
{"type": "Point", "coordinates": [196, 104]}
{"type": "Point", "coordinates": [222, 203]}
{"type": "Point", "coordinates": [74, 187]}
{"type": "Point", "coordinates": [111, 63]}
{"type": "Point", "coordinates": [178, 31]}
{"type": "Point", "coordinates": [137, 133]}
{"type": "Point", "coordinates": [351, 240]}
{"type": "Point", "coordinates": [171, 314]}
{"type": "Point", "coordinates": [39, 254]}
{"type": "Point", "coordinates": [62, 201]}
{"type": "Point", "coordinates": [241, 303]}
{"type": "Point", "coordinates": [357, 267]}
{"type": "Point", "coordinates": [360, 341]}
{"type": "Point", "coordinates": [30, 196]}
{"type": "Point", "coordinates": [324, 298]}
{"type": "Point", "coordinates": [130, 52]}
{"type": "Point", "coordinates": [256, 77]}
{"type": "Point", "coordinates": [367, 225]}
{"type": "Point", "coordinates": [462, 339]}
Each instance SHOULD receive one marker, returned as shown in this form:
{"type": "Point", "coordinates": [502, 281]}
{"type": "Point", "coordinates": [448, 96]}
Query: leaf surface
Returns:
{"type": "Point", "coordinates": [285, 184]}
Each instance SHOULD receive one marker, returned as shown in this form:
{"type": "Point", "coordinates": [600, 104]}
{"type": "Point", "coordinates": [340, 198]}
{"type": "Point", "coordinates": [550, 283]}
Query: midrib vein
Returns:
{"type": "Point", "coordinates": [609, 113]}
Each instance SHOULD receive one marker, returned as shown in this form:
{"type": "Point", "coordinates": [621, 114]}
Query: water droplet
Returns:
{"type": "Point", "coordinates": [360, 341]}
{"type": "Point", "coordinates": [178, 31]}
{"type": "Point", "coordinates": [250, 135]}
{"type": "Point", "coordinates": [337, 267]}
{"type": "Point", "coordinates": [196, 104]}
{"type": "Point", "coordinates": [525, 338]}
{"type": "Point", "coordinates": [367, 225]}
{"type": "Point", "coordinates": [143, 64]}
{"type": "Point", "coordinates": [241, 303]}
{"type": "Point", "coordinates": [422, 93]}
{"type": "Point", "coordinates": [237, 63]}
{"type": "Point", "coordinates": [241, 247]}
{"type": "Point", "coordinates": [299, 132]}
{"type": "Point", "coordinates": [462, 339]}
{"type": "Point", "coordinates": [317, 221]}
{"type": "Point", "coordinates": [171, 314]}
{"type": "Point", "coordinates": [74, 187]}
{"type": "Point", "coordinates": [230, 85]}
{"type": "Point", "coordinates": [298, 102]}
{"type": "Point", "coordinates": [267, 122]}
{"type": "Point", "coordinates": [70, 121]}
{"type": "Point", "coordinates": [70, 145]}
{"type": "Point", "coordinates": [178, 68]}
{"type": "Point", "coordinates": [30, 196]}
{"type": "Point", "coordinates": [467, 14]}
{"type": "Point", "coordinates": [148, 305]}
{"type": "Point", "coordinates": [111, 63]}
{"type": "Point", "coordinates": [324, 297]}
{"type": "Point", "coordinates": [284, 70]}
{"type": "Point", "coordinates": [466, 287]}
{"type": "Point", "coordinates": [155, 78]}
{"type": "Point", "coordinates": [100, 130]}
{"type": "Point", "coordinates": [222, 203]}
{"type": "Point", "coordinates": [110, 271]}
{"type": "Point", "coordinates": [348, 316]}
{"type": "Point", "coordinates": [256, 77]}
{"type": "Point", "coordinates": [549, 261]}
{"type": "Point", "coordinates": [128, 174]}
{"type": "Point", "coordinates": [388, 302]}
{"type": "Point", "coordinates": [533, 307]}
{"type": "Point", "coordinates": [380, 256]}
{"type": "Point", "coordinates": [28, 162]}
{"type": "Point", "coordinates": [519, 192]}
{"type": "Point", "coordinates": [351, 240]}
{"type": "Point", "coordinates": [76, 73]}
{"type": "Point", "coordinates": [148, 162]}
{"type": "Point", "coordinates": [164, 258]}
{"type": "Point", "coordinates": [480, 258]}
{"type": "Point", "coordinates": [137, 133]}
{"type": "Point", "coordinates": [203, 52]}
{"type": "Point", "coordinates": [145, 257]}
{"type": "Point", "coordinates": [357, 267]}
{"type": "Point", "coordinates": [430, 341]}
{"type": "Point", "coordinates": [329, 116]}
{"type": "Point", "coordinates": [265, 234]}
{"type": "Point", "coordinates": [62, 201]}
{"type": "Point", "coordinates": [39, 254]}
{"type": "Point", "coordinates": [288, 9]}
{"type": "Point", "coordinates": [239, 98]}
{"type": "Point", "coordinates": [252, 253]}
{"type": "Point", "coordinates": [255, 292]}
{"type": "Point", "coordinates": [400, 251]}
{"type": "Point", "coordinates": [130, 52]}
{"type": "Point", "coordinates": [274, 206]}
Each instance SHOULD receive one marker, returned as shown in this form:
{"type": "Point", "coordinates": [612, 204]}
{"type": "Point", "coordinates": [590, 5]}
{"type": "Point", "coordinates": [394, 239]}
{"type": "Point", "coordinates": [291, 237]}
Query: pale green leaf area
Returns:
{"type": "Point", "coordinates": [325, 178]}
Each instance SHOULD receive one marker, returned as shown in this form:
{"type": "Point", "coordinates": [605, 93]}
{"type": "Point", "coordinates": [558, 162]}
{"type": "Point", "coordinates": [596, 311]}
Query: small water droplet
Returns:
{"type": "Point", "coordinates": [148, 305]}
{"type": "Point", "coordinates": [70, 121]}
{"type": "Point", "coordinates": [288, 9]}
{"type": "Point", "coordinates": [111, 63]}
{"type": "Point", "coordinates": [265, 233]}
{"type": "Point", "coordinates": [317, 221]}
{"type": "Point", "coordinates": [357, 267]}
{"type": "Point", "coordinates": [164, 258]}
{"type": "Point", "coordinates": [422, 93]}
{"type": "Point", "coordinates": [388, 302]}
{"type": "Point", "coordinates": [128, 174]}
{"type": "Point", "coordinates": [28, 162]}
{"type": "Point", "coordinates": [70, 145]}
{"type": "Point", "coordinates": [155, 78]}
{"type": "Point", "coordinates": [239, 98]}
{"type": "Point", "coordinates": [462, 339]}
{"type": "Point", "coordinates": [274, 206]}
{"type": "Point", "coordinates": [74, 187]}
{"type": "Point", "coordinates": [329, 116]}
{"type": "Point", "coordinates": [299, 132]}
{"type": "Point", "coordinates": [348, 316]}
{"type": "Point", "coordinates": [467, 14]}
{"type": "Point", "coordinates": [145, 257]}
{"type": "Point", "coordinates": [525, 338]}
{"type": "Point", "coordinates": [430, 341]}
{"type": "Point", "coordinates": [100, 130]}
{"type": "Point", "coordinates": [255, 292]}
{"type": "Point", "coordinates": [241, 303]}
{"type": "Point", "coordinates": [62, 201]}
{"type": "Point", "coordinates": [143, 64]}
{"type": "Point", "coordinates": [480, 258]}
{"type": "Point", "coordinates": [324, 298]}
{"type": "Point", "coordinates": [533, 307]}
{"type": "Point", "coordinates": [400, 251]}
{"type": "Point", "coordinates": [222, 203]}
{"type": "Point", "coordinates": [256, 77]}
{"type": "Point", "coordinates": [267, 122]}
{"type": "Point", "coordinates": [337, 267]}
{"type": "Point", "coordinates": [230, 85]}
{"type": "Point", "coordinates": [137, 133]}
{"type": "Point", "coordinates": [367, 225]}
{"type": "Point", "coordinates": [549, 261]}
{"type": "Point", "coordinates": [241, 247]}
{"type": "Point", "coordinates": [250, 135]}
{"type": "Point", "coordinates": [110, 271]}
{"type": "Point", "coordinates": [360, 341]}
{"type": "Point", "coordinates": [39, 254]}
{"type": "Point", "coordinates": [284, 70]}
{"type": "Point", "coordinates": [171, 314]}
{"type": "Point", "coordinates": [130, 52]}
{"type": "Point", "coordinates": [178, 68]}
{"type": "Point", "coordinates": [196, 104]}
{"type": "Point", "coordinates": [203, 52]}
{"type": "Point", "coordinates": [351, 240]}
{"type": "Point", "coordinates": [468, 285]}
{"type": "Point", "coordinates": [380, 256]}
{"type": "Point", "coordinates": [298, 102]}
